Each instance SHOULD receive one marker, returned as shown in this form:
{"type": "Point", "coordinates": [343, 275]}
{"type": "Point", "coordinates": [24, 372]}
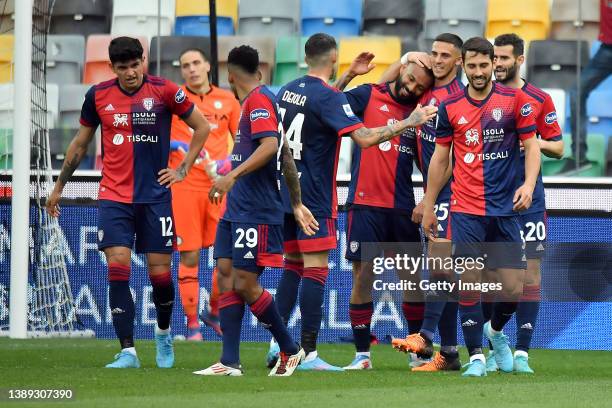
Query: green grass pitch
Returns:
{"type": "Point", "coordinates": [563, 379]}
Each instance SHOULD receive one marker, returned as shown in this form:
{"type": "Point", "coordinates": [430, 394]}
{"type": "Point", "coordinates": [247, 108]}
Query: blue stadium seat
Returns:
{"type": "Point", "coordinates": [192, 17]}
{"type": "Point", "coordinates": [599, 112]}
{"type": "Point", "coordinates": [400, 18]}
{"type": "Point", "coordinates": [338, 18]}
{"type": "Point", "coordinates": [607, 83]}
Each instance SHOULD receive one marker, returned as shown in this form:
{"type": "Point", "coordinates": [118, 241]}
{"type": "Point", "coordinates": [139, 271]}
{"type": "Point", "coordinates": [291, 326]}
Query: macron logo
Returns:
{"type": "Point", "coordinates": [384, 108]}
{"type": "Point", "coordinates": [109, 107]}
{"type": "Point", "coordinates": [462, 121]}
{"type": "Point", "coordinates": [469, 323]}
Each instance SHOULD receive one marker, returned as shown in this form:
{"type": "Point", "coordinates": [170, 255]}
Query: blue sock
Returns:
{"type": "Point", "coordinates": [265, 310]}
{"type": "Point", "coordinates": [447, 325]}
{"type": "Point", "coordinates": [361, 318]}
{"type": "Point", "coordinates": [413, 313]}
{"type": "Point", "coordinates": [470, 311]}
{"type": "Point", "coordinates": [527, 316]}
{"type": "Point", "coordinates": [231, 311]}
{"type": "Point", "coordinates": [121, 303]}
{"type": "Point", "coordinates": [163, 298]}
{"type": "Point", "coordinates": [287, 289]}
{"type": "Point", "coordinates": [431, 318]}
{"type": "Point", "coordinates": [311, 305]}
{"type": "Point", "coordinates": [502, 313]}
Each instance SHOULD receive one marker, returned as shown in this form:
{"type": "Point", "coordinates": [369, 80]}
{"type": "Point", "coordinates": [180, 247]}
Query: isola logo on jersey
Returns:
{"type": "Point", "coordinates": [259, 113]}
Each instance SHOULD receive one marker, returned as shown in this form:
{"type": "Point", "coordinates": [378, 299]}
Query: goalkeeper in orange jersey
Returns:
{"type": "Point", "coordinates": [195, 216]}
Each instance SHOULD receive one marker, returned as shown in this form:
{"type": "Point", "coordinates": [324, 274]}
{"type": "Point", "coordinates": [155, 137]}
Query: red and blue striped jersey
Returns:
{"type": "Point", "coordinates": [255, 198]}
{"type": "Point", "coordinates": [315, 116]}
{"type": "Point", "coordinates": [485, 140]}
{"type": "Point", "coordinates": [426, 133]}
{"type": "Point", "coordinates": [547, 129]}
{"type": "Point", "coordinates": [135, 136]}
{"type": "Point", "coordinates": [381, 175]}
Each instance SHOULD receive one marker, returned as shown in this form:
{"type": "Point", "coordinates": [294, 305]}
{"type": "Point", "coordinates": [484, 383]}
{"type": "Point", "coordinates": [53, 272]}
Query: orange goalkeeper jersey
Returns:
{"type": "Point", "coordinates": [222, 110]}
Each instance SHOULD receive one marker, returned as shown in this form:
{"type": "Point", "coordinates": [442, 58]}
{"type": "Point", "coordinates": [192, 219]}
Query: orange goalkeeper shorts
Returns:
{"type": "Point", "coordinates": [195, 218]}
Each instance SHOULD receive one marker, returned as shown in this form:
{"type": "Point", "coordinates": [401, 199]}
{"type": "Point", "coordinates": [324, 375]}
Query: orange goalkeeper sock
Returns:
{"type": "Point", "coordinates": [189, 288]}
{"type": "Point", "coordinates": [214, 294]}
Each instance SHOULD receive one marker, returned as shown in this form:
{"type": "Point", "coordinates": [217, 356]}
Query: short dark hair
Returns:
{"type": "Point", "coordinates": [319, 44]}
{"type": "Point", "coordinates": [478, 45]}
{"type": "Point", "coordinates": [450, 38]}
{"type": "Point", "coordinates": [124, 49]}
{"type": "Point", "coordinates": [517, 43]}
{"type": "Point", "coordinates": [194, 49]}
{"type": "Point", "coordinates": [245, 57]}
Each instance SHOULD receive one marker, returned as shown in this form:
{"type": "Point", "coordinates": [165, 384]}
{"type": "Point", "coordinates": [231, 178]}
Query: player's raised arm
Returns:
{"type": "Point", "coordinates": [365, 137]}
{"type": "Point", "coordinates": [422, 59]}
{"type": "Point", "coordinates": [361, 65]}
{"type": "Point", "coordinates": [74, 154]}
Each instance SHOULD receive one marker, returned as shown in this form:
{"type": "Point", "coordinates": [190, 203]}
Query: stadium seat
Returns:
{"type": "Point", "coordinates": [338, 18]}
{"type": "Point", "coordinates": [7, 16]}
{"type": "Point", "coordinates": [192, 17]}
{"type": "Point", "coordinates": [6, 105]}
{"type": "Point", "coordinates": [559, 98]}
{"type": "Point", "coordinates": [530, 19]}
{"type": "Point", "coordinates": [552, 63]}
{"type": "Point", "coordinates": [97, 68]}
{"type": "Point", "coordinates": [170, 48]}
{"type": "Point", "coordinates": [265, 47]}
{"type": "Point", "coordinates": [607, 83]}
{"type": "Point", "coordinates": [70, 103]}
{"type": "Point", "coordinates": [268, 17]}
{"type": "Point", "coordinates": [6, 58]}
{"type": "Point", "coordinates": [464, 18]}
{"type": "Point", "coordinates": [387, 50]}
{"type": "Point", "coordinates": [59, 139]}
{"type": "Point", "coordinates": [596, 154]}
{"type": "Point", "coordinates": [402, 18]}
{"type": "Point", "coordinates": [52, 105]}
{"type": "Point", "coordinates": [83, 17]}
{"type": "Point", "coordinates": [139, 18]}
{"type": "Point", "coordinates": [65, 56]}
{"type": "Point", "coordinates": [568, 22]}
{"type": "Point", "coordinates": [6, 149]}
{"type": "Point", "coordinates": [600, 113]}
{"type": "Point", "coordinates": [411, 44]}
{"type": "Point", "coordinates": [289, 59]}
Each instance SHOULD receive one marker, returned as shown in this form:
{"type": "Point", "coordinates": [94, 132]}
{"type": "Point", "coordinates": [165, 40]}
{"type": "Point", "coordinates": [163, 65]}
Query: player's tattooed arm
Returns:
{"type": "Point", "coordinates": [361, 65]}
{"type": "Point", "coordinates": [290, 173]}
{"type": "Point", "coordinates": [366, 137]}
{"type": "Point", "coordinates": [74, 154]}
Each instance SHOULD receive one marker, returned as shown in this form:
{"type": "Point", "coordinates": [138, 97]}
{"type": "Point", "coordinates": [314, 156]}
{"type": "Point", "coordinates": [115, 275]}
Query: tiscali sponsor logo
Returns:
{"type": "Point", "coordinates": [471, 157]}
{"type": "Point", "coordinates": [119, 139]}
{"type": "Point", "coordinates": [385, 146]}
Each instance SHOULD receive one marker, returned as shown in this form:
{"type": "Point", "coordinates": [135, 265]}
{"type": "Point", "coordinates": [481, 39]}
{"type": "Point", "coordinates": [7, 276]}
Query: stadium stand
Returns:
{"type": "Point", "coordinates": [465, 18]}
{"type": "Point", "coordinates": [192, 17]}
{"type": "Point", "coordinates": [338, 18]}
{"type": "Point", "coordinates": [170, 49]}
{"type": "Point", "coordinates": [268, 17]}
{"type": "Point", "coordinates": [596, 154]}
{"type": "Point", "coordinates": [289, 63]}
{"type": "Point", "coordinates": [97, 67]}
{"type": "Point", "coordinates": [387, 50]}
{"type": "Point", "coordinates": [65, 55]}
{"type": "Point", "coordinates": [7, 23]}
{"type": "Point", "coordinates": [265, 47]}
{"type": "Point", "coordinates": [565, 22]}
{"type": "Point", "coordinates": [599, 112]}
{"type": "Point", "coordinates": [6, 57]}
{"type": "Point", "coordinates": [83, 17]}
{"type": "Point", "coordinates": [607, 83]}
{"type": "Point", "coordinates": [70, 103]}
{"type": "Point", "coordinates": [393, 17]}
{"type": "Point", "coordinates": [139, 18]}
{"type": "Point", "coordinates": [553, 64]}
{"type": "Point", "coordinates": [6, 125]}
{"type": "Point", "coordinates": [530, 19]}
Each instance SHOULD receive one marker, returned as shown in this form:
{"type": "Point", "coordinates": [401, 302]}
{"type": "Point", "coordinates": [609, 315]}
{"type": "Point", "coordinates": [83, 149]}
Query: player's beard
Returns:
{"type": "Point", "coordinates": [410, 98]}
{"type": "Point", "coordinates": [486, 81]}
{"type": "Point", "coordinates": [510, 73]}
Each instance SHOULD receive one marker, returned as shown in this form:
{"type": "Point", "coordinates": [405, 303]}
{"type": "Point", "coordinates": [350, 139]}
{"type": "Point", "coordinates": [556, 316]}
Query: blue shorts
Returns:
{"type": "Point", "coordinates": [251, 247]}
{"type": "Point", "coordinates": [497, 237]}
{"type": "Point", "coordinates": [324, 239]}
{"type": "Point", "coordinates": [375, 225]}
{"type": "Point", "coordinates": [534, 234]}
{"type": "Point", "coordinates": [147, 227]}
{"type": "Point", "coordinates": [442, 209]}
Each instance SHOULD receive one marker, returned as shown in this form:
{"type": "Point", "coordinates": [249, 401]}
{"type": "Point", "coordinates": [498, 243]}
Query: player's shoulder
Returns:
{"type": "Point", "coordinates": [504, 90]}
{"type": "Point", "coordinates": [157, 80]}
{"type": "Point", "coordinates": [221, 93]}
{"type": "Point", "coordinates": [535, 92]}
{"type": "Point", "coordinates": [104, 85]}
{"type": "Point", "coordinates": [454, 98]}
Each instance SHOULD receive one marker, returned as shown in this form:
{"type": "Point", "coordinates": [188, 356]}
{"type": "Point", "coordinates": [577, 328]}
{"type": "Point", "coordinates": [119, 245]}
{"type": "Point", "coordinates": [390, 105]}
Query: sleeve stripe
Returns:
{"type": "Point", "coordinates": [187, 112]}
{"type": "Point", "coordinates": [555, 138]}
{"type": "Point", "coordinates": [349, 129]}
{"type": "Point", "coordinates": [83, 122]}
{"type": "Point", "coordinates": [527, 129]}
{"type": "Point", "coordinates": [525, 136]}
{"type": "Point", "coordinates": [265, 133]}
